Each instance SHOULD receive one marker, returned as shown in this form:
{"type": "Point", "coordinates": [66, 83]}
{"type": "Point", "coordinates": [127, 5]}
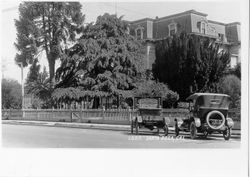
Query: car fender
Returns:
{"type": "Point", "coordinates": [230, 122]}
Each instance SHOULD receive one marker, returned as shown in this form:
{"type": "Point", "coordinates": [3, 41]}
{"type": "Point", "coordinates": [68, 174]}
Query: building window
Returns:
{"type": "Point", "coordinates": [139, 33]}
{"type": "Point", "coordinates": [202, 27]}
{"type": "Point", "coordinates": [221, 37]}
{"type": "Point", "coordinates": [234, 61]}
{"type": "Point", "coordinates": [172, 28]}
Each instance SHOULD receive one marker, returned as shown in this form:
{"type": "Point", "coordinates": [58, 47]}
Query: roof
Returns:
{"type": "Point", "coordinates": [215, 22]}
{"type": "Point", "coordinates": [233, 23]}
{"type": "Point", "coordinates": [140, 20]}
{"type": "Point", "coordinates": [170, 16]}
{"type": "Point", "coordinates": [196, 95]}
{"type": "Point", "coordinates": [183, 13]}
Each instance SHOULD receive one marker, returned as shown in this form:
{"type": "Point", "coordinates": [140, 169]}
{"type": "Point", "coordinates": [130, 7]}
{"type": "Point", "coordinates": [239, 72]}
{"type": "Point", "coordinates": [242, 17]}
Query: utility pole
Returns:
{"type": "Point", "coordinates": [115, 8]}
{"type": "Point", "coordinates": [22, 82]}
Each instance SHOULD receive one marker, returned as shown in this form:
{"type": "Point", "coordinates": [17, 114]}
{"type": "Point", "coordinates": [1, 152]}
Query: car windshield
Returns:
{"type": "Point", "coordinates": [212, 101]}
{"type": "Point", "coordinates": [147, 102]}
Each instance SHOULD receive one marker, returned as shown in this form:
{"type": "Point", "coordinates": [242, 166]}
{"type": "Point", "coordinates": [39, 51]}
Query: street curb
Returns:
{"type": "Point", "coordinates": [69, 125]}
{"type": "Point", "coordinates": [93, 126]}
{"type": "Point", "coordinates": [79, 125]}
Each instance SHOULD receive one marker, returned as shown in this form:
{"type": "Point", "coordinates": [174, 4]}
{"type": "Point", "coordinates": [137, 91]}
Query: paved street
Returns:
{"type": "Point", "coordinates": [60, 137]}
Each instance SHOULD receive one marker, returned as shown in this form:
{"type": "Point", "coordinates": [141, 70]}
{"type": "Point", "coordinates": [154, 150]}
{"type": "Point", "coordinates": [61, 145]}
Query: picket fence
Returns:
{"type": "Point", "coordinates": [109, 116]}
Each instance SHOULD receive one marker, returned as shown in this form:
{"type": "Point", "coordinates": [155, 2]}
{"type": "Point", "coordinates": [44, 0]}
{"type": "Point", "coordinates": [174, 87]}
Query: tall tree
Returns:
{"type": "Point", "coordinates": [33, 72]}
{"type": "Point", "coordinates": [46, 26]}
{"type": "Point", "coordinates": [189, 63]}
{"type": "Point", "coordinates": [106, 58]}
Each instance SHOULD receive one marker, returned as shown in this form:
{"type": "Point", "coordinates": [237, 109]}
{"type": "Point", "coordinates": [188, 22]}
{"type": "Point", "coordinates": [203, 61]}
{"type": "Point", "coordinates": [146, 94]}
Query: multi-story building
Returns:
{"type": "Point", "coordinates": [191, 22]}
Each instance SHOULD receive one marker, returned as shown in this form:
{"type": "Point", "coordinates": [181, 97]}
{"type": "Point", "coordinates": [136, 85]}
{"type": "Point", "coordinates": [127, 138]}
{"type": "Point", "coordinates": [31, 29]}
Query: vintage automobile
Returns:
{"type": "Point", "coordinates": [208, 113]}
{"type": "Point", "coordinates": [149, 115]}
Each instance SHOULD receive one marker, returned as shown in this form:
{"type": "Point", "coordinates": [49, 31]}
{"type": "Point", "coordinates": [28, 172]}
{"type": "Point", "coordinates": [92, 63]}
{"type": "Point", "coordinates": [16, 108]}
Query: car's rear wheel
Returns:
{"type": "Point", "coordinates": [136, 127]}
{"type": "Point", "coordinates": [132, 127]}
{"type": "Point", "coordinates": [205, 134]}
{"type": "Point", "coordinates": [215, 120]}
{"type": "Point", "coordinates": [227, 133]}
{"type": "Point", "coordinates": [193, 130]}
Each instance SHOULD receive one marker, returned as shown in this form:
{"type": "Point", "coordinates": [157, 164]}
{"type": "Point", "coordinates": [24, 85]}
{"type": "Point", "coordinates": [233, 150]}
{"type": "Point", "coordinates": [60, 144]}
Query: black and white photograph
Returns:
{"type": "Point", "coordinates": [125, 88]}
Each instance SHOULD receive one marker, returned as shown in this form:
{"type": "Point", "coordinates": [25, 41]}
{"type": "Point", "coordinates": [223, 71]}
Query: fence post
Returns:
{"type": "Point", "coordinates": [81, 115]}
{"type": "Point", "coordinates": [129, 114]}
{"type": "Point", "coordinates": [71, 115]}
{"type": "Point", "coordinates": [103, 112]}
{"type": "Point", "coordinates": [9, 114]}
{"type": "Point", "coordinates": [37, 118]}
{"type": "Point", "coordinates": [52, 114]}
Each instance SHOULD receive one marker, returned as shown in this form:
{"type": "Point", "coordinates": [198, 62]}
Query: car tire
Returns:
{"type": "Point", "coordinates": [227, 133]}
{"type": "Point", "coordinates": [136, 127]}
{"type": "Point", "coordinates": [165, 128]}
{"type": "Point", "coordinates": [193, 130]}
{"type": "Point", "coordinates": [177, 131]}
{"type": "Point", "coordinates": [205, 134]}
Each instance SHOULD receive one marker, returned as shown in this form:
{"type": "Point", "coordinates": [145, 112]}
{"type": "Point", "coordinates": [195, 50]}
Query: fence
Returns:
{"type": "Point", "coordinates": [113, 116]}
{"type": "Point", "coordinates": [110, 116]}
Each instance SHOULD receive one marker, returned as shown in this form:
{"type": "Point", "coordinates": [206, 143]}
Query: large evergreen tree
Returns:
{"type": "Point", "coordinates": [190, 63]}
{"type": "Point", "coordinates": [106, 59]}
{"type": "Point", "coordinates": [34, 71]}
{"type": "Point", "coordinates": [46, 26]}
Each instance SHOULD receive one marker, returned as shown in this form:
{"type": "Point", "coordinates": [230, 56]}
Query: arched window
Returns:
{"type": "Point", "coordinates": [139, 33]}
{"type": "Point", "coordinates": [202, 27]}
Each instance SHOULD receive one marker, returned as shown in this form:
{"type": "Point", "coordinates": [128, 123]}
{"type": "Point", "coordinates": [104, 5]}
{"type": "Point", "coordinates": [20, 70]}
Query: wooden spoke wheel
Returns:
{"type": "Point", "coordinates": [193, 130]}
{"type": "Point", "coordinates": [227, 133]}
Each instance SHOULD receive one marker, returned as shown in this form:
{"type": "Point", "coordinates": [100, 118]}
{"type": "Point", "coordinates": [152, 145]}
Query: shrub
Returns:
{"type": "Point", "coordinates": [171, 98]}
{"type": "Point", "coordinates": [156, 89]}
{"type": "Point", "coordinates": [231, 85]}
{"type": "Point", "coordinates": [11, 94]}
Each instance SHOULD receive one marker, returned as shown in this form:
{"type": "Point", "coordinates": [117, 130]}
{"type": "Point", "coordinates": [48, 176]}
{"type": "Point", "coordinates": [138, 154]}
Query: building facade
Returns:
{"type": "Point", "coordinates": [191, 22]}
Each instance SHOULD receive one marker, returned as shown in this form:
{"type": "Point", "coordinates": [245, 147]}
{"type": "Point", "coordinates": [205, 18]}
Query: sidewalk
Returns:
{"type": "Point", "coordinates": [83, 125]}
{"type": "Point", "coordinates": [69, 124]}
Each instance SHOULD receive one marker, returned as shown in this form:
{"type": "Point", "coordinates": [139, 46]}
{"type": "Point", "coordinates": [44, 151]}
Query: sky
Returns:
{"type": "Point", "coordinates": [225, 11]}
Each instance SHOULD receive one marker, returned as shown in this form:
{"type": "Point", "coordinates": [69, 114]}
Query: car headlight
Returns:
{"type": "Point", "coordinates": [197, 122]}
{"type": "Point", "coordinates": [179, 122]}
{"type": "Point", "coordinates": [230, 122]}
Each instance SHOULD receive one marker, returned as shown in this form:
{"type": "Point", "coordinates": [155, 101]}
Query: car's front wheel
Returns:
{"type": "Point", "coordinates": [177, 131]}
{"type": "Point", "coordinates": [193, 130]}
{"type": "Point", "coordinates": [165, 128]}
{"type": "Point", "coordinates": [227, 133]}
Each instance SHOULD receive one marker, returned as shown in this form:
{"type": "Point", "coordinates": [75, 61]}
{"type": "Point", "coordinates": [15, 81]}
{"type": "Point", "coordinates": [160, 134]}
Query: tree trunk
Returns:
{"type": "Point", "coordinates": [51, 62]}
